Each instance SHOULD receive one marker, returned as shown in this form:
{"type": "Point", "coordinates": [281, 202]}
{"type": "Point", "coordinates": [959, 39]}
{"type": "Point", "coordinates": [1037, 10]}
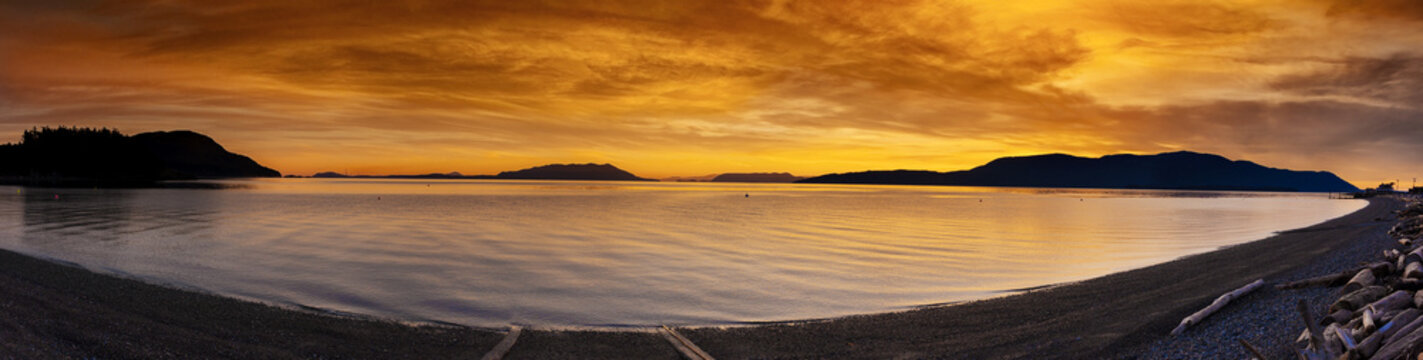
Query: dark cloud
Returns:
{"type": "Point", "coordinates": [1395, 80]}
{"type": "Point", "coordinates": [1411, 10]}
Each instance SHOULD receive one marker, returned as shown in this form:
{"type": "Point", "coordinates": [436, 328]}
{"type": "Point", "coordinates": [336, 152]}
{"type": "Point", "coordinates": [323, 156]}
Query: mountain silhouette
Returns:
{"type": "Point", "coordinates": [1181, 170]}
{"type": "Point", "coordinates": [104, 157]}
{"type": "Point", "coordinates": [571, 172]}
{"type": "Point", "coordinates": [756, 177]}
{"type": "Point", "coordinates": [546, 172]}
{"type": "Point", "coordinates": [185, 154]}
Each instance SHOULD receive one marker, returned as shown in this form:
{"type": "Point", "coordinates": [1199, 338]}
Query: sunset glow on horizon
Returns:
{"type": "Point", "coordinates": [690, 88]}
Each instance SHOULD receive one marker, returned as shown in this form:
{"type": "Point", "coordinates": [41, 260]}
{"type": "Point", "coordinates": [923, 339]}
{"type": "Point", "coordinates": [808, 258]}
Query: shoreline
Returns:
{"type": "Point", "coordinates": [53, 309]}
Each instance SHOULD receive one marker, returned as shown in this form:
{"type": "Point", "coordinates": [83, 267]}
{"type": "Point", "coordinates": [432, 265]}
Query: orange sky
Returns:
{"type": "Point", "coordinates": [683, 88]}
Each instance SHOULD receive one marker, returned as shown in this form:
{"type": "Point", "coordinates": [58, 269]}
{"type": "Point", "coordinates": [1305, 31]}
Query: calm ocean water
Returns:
{"type": "Point", "coordinates": [490, 253]}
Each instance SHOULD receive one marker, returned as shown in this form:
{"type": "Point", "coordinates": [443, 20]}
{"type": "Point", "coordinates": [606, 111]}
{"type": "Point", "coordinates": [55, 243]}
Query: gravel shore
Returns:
{"type": "Point", "coordinates": [1267, 318]}
{"type": "Point", "coordinates": [48, 310]}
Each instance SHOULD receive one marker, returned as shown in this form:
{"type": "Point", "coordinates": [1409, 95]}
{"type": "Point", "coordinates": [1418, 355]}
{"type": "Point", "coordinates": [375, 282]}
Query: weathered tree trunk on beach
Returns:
{"type": "Point", "coordinates": [1369, 345]}
{"type": "Point", "coordinates": [1338, 316]}
{"type": "Point", "coordinates": [1408, 284]}
{"type": "Point", "coordinates": [1402, 318]}
{"type": "Point", "coordinates": [1414, 256]}
{"type": "Point", "coordinates": [1413, 270]}
{"type": "Point", "coordinates": [1381, 268]}
{"type": "Point", "coordinates": [1325, 280]}
{"type": "Point", "coordinates": [1364, 278]}
{"type": "Point", "coordinates": [1397, 346]}
{"type": "Point", "coordinates": [1359, 298]}
{"type": "Point", "coordinates": [1397, 301]}
{"type": "Point", "coordinates": [1216, 305]}
{"type": "Point", "coordinates": [1402, 332]}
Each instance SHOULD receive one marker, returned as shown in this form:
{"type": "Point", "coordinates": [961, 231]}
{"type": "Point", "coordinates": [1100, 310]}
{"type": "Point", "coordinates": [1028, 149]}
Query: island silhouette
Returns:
{"type": "Point", "coordinates": [590, 171]}
{"type": "Point", "coordinates": [74, 156]}
{"type": "Point", "coordinates": [775, 177]}
{"type": "Point", "coordinates": [1182, 170]}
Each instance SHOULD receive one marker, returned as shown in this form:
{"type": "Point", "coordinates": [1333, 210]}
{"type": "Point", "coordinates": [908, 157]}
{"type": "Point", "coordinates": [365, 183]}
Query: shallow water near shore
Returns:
{"type": "Point", "coordinates": [549, 253]}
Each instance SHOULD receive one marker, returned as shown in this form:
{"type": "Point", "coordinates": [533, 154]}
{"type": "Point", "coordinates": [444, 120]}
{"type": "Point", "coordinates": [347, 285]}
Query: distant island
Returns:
{"type": "Point", "coordinates": [703, 178]}
{"type": "Point", "coordinates": [67, 156]}
{"type": "Point", "coordinates": [600, 172]}
{"type": "Point", "coordinates": [757, 177]}
{"type": "Point", "coordinates": [572, 172]}
{"type": "Point", "coordinates": [1183, 170]}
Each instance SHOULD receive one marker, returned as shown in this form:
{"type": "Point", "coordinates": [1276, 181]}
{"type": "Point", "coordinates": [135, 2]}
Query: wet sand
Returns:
{"type": "Point", "coordinates": [50, 310]}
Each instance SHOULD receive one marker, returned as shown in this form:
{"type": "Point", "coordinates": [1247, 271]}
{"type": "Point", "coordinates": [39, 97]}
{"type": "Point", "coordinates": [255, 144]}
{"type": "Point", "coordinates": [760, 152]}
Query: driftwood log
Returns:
{"type": "Point", "coordinates": [1398, 345]}
{"type": "Point", "coordinates": [1408, 284]}
{"type": "Point", "coordinates": [1338, 316]}
{"type": "Point", "coordinates": [1364, 278]}
{"type": "Point", "coordinates": [1403, 318]}
{"type": "Point", "coordinates": [1381, 269]}
{"type": "Point", "coordinates": [1216, 305]}
{"type": "Point", "coordinates": [1325, 280]}
{"type": "Point", "coordinates": [1403, 331]}
{"type": "Point", "coordinates": [1397, 301]}
{"type": "Point", "coordinates": [1369, 345]}
{"type": "Point", "coordinates": [1368, 321]}
{"type": "Point", "coordinates": [1414, 256]}
{"type": "Point", "coordinates": [1413, 270]}
{"type": "Point", "coordinates": [1359, 298]}
{"type": "Point", "coordinates": [1315, 349]}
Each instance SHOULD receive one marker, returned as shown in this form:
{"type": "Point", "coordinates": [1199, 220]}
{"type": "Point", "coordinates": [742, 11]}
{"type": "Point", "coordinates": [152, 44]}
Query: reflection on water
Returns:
{"type": "Point", "coordinates": [604, 253]}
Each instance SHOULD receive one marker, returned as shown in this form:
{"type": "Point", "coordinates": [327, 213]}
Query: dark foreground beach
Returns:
{"type": "Point", "coordinates": [48, 310]}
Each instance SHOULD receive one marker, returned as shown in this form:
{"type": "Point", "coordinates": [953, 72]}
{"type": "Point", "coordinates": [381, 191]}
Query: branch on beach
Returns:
{"type": "Point", "coordinates": [1216, 305]}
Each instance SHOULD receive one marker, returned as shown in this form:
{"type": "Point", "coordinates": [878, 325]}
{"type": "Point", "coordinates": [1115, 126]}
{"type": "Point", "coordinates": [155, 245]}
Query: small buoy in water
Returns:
{"type": "Point", "coordinates": [980, 200]}
{"type": "Point", "coordinates": [748, 194]}
{"type": "Point", "coordinates": [377, 198]}
{"type": "Point", "coordinates": [56, 196]}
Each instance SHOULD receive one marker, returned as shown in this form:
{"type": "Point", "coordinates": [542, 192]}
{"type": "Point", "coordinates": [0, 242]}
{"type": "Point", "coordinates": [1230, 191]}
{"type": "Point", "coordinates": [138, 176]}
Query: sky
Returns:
{"type": "Point", "coordinates": [686, 88]}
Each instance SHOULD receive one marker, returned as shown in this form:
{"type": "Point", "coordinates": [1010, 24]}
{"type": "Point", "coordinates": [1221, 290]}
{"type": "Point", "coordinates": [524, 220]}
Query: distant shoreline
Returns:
{"type": "Point", "coordinates": [52, 309]}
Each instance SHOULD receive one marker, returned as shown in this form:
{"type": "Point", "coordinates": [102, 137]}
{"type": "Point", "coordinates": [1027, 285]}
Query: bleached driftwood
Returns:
{"type": "Point", "coordinates": [1345, 340]}
{"type": "Point", "coordinates": [1364, 278]}
{"type": "Point", "coordinates": [1397, 346]}
{"type": "Point", "coordinates": [1397, 301]}
{"type": "Point", "coordinates": [1413, 270]}
{"type": "Point", "coordinates": [1409, 328]}
{"type": "Point", "coordinates": [1336, 279]}
{"type": "Point", "coordinates": [1368, 325]}
{"type": "Point", "coordinates": [1381, 268]}
{"type": "Point", "coordinates": [1315, 349]}
{"type": "Point", "coordinates": [1413, 256]}
{"type": "Point", "coordinates": [1216, 305]}
{"type": "Point", "coordinates": [1408, 284]}
{"type": "Point", "coordinates": [684, 346]}
{"type": "Point", "coordinates": [1338, 316]}
{"type": "Point", "coordinates": [502, 348]}
{"type": "Point", "coordinates": [1398, 321]}
{"type": "Point", "coordinates": [1369, 345]}
{"type": "Point", "coordinates": [1359, 298]}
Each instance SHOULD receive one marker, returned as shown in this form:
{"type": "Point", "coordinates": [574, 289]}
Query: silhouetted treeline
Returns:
{"type": "Point", "coordinates": [88, 156]}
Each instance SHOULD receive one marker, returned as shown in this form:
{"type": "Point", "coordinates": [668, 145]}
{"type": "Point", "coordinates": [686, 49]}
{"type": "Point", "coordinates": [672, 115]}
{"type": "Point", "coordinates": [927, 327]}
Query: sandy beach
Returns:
{"type": "Point", "coordinates": [51, 310]}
